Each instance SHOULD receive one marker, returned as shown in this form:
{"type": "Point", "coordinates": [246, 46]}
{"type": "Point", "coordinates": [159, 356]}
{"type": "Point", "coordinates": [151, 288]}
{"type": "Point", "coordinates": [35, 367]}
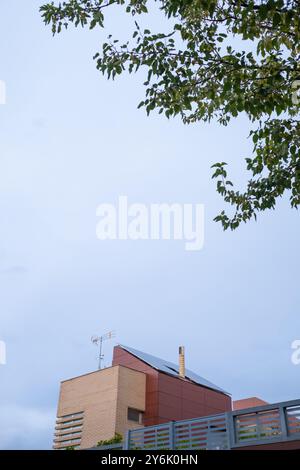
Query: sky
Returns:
{"type": "Point", "coordinates": [71, 140]}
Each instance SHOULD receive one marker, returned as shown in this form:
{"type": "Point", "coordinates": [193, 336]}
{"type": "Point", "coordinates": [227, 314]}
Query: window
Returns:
{"type": "Point", "coordinates": [63, 431]}
{"type": "Point", "coordinates": [71, 416]}
{"type": "Point", "coordinates": [135, 415]}
{"type": "Point", "coordinates": [68, 430]}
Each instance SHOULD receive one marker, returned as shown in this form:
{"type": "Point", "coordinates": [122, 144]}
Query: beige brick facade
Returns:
{"type": "Point", "coordinates": [94, 406]}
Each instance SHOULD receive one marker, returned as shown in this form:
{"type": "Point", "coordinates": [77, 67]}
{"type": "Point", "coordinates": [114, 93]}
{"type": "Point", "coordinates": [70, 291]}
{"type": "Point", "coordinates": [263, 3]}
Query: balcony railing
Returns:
{"type": "Point", "coordinates": [252, 426]}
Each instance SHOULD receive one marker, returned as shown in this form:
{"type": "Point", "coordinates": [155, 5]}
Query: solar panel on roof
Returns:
{"type": "Point", "coordinates": [171, 368]}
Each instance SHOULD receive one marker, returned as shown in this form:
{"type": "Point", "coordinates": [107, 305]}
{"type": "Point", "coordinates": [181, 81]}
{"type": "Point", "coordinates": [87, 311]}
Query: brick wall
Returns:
{"type": "Point", "coordinates": [122, 357]}
{"type": "Point", "coordinates": [131, 394]}
{"type": "Point", "coordinates": [248, 403]}
{"type": "Point", "coordinates": [104, 397]}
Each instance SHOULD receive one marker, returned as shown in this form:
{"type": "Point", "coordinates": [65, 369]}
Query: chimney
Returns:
{"type": "Point", "coordinates": [181, 362]}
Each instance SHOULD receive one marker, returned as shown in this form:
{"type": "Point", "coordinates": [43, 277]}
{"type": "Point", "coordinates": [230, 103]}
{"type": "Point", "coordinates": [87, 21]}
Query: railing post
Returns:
{"type": "Point", "coordinates": [172, 434]}
{"type": "Point", "coordinates": [283, 423]}
{"type": "Point", "coordinates": [230, 425]}
{"type": "Point", "coordinates": [127, 440]}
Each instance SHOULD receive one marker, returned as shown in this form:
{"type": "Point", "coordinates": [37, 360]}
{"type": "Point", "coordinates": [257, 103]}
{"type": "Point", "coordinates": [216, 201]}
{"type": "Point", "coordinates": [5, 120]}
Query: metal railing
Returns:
{"type": "Point", "coordinates": [252, 426]}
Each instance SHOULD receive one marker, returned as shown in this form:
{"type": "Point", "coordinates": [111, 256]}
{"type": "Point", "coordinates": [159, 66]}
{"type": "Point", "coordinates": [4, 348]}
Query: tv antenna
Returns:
{"type": "Point", "coordinates": [98, 341]}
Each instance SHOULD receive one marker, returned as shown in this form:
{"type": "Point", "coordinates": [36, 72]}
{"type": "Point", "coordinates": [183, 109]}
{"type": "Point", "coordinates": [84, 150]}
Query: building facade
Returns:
{"type": "Point", "coordinates": [170, 397]}
{"type": "Point", "coordinates": [138, 390]}
{"type": "Point", "coordinates": [96, 406]}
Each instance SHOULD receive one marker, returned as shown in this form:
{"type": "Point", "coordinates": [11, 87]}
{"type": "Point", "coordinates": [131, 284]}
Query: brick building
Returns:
{"type": "Point", "coordinates": [138, 390]}
{"type": "Point", "coordinates": [245, 403]}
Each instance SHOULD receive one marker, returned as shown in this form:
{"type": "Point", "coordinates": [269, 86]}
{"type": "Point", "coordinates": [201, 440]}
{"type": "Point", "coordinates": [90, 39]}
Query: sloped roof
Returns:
{"type": "Point", "coordinates": [171, 368]}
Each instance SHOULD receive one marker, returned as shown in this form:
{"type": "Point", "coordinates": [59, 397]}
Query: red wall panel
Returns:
{"type": "Point", "coordinates": [181, 399]}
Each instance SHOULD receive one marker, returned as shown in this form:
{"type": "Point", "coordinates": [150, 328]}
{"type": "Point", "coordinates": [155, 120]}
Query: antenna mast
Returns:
{"type": "Point", "coordinates": [98, 341]}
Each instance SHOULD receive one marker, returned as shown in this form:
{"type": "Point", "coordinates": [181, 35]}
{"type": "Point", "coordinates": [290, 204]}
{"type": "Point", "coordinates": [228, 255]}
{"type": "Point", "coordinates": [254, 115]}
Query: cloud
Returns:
{"type": "Point", "coordinates": [26, 428]}
{"type": "Point", "coordinates": [15, 270]}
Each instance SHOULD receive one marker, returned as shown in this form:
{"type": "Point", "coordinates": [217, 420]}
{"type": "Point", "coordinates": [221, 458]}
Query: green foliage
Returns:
{"type": "Point", "coordinates": [117, 439]}
{"type": "Point", "coordinates": [194, 71]}
{"type": "Point", "coordinates": [70, 448]}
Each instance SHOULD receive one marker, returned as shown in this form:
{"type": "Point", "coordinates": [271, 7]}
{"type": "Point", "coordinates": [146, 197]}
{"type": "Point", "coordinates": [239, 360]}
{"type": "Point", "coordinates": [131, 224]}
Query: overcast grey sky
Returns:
{"type": "Point", "coordinates": [70, 140]}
